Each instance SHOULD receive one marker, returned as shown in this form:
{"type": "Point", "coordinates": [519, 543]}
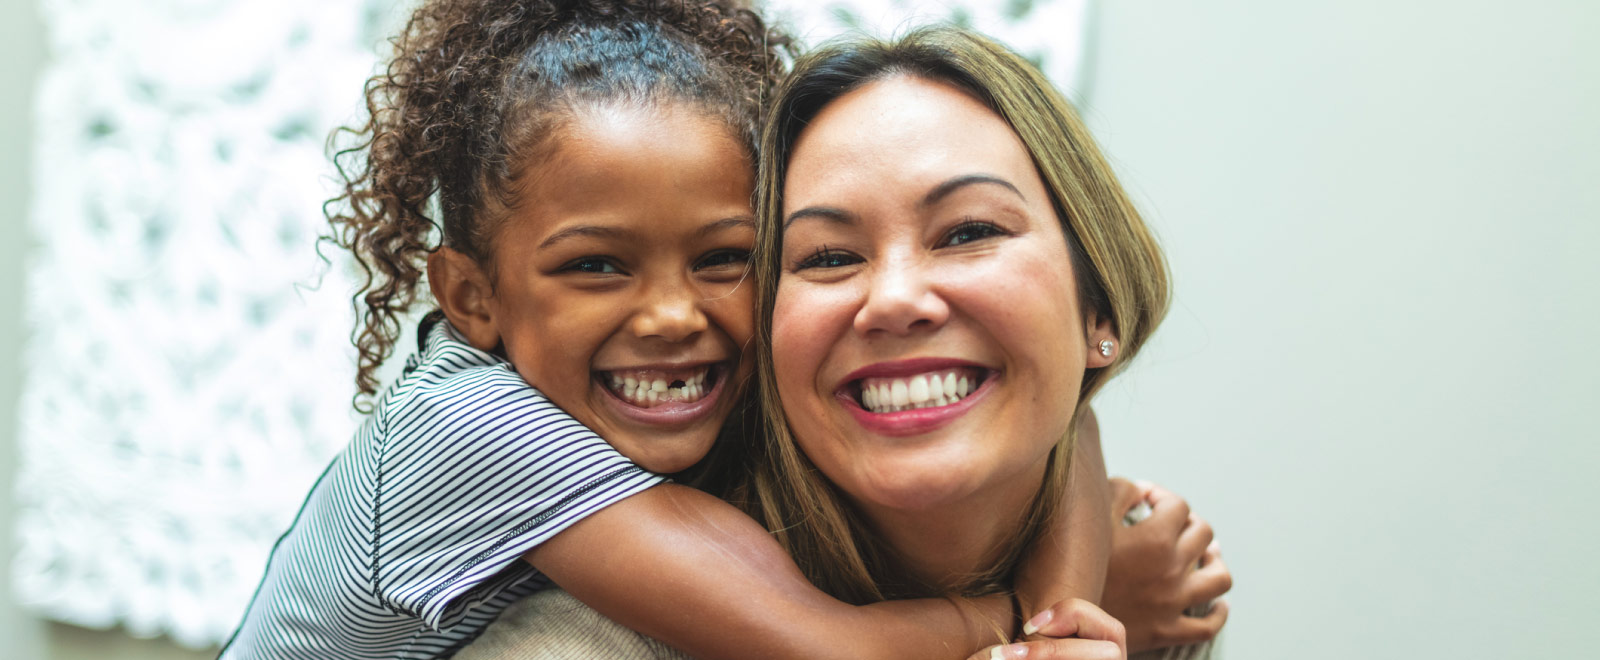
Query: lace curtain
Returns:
{"type": "Point", "coordinates": [188, 369]}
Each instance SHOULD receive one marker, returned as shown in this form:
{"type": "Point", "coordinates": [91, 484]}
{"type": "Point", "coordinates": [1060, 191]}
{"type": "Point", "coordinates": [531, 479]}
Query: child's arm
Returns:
{"type": "Point", "coordinates": [1070, 560]}
{"type": "Point", "coordinates": [691, 570]}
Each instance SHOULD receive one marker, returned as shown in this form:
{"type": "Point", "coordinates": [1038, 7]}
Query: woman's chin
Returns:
{"type": "Point", "coordinates": [925, 485]}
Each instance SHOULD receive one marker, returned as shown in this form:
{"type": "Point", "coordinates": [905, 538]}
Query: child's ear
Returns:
{"type": "Point", "coordinates": [1103, 344]}
{"type": "Point", "coordinates": [465, 294]}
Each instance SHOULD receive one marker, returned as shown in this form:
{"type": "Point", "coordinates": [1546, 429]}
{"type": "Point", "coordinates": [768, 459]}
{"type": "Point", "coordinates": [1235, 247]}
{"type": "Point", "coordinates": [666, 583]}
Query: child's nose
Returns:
{"type": "Point", "coordinates": [670, 313]}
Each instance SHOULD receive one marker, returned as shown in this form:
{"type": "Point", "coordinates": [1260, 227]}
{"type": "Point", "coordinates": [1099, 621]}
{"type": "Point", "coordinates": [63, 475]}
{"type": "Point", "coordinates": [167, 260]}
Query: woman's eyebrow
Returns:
{"type": "Point", "coordinates": [829, 213]}
{"type": "Point", "coordinates": [956, 183]}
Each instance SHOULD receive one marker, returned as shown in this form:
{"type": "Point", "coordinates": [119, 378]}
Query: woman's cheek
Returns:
{"type": "Point", "coordinates": [805, 326]}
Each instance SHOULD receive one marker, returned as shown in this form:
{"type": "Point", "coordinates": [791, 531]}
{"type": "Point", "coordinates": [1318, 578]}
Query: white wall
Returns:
{"type": "Point", "coordinates": [1378, 374]}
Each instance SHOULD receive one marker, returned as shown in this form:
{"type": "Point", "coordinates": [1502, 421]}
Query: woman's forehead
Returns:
{"type": "Point", "coordinates": [903, 136]}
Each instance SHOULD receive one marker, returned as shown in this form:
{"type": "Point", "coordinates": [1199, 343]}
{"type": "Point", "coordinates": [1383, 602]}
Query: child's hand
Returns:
{"type": "Point", "coordinates": [1166, 572]}
{"type": "Point", "coordinates": [1075, 630]}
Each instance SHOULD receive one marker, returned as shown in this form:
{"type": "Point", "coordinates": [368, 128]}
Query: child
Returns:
{"type": "Point", "coordinates": [590, 163]}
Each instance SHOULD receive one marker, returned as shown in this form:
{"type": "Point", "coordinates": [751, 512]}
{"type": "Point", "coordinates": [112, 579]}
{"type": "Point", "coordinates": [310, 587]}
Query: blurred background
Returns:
{"type": "Point", "coordinates": [1377, 379]}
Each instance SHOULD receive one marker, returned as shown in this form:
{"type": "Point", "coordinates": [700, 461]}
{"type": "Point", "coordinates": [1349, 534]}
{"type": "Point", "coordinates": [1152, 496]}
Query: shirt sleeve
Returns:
{"type": "Point", "coordinates": [475, 472]}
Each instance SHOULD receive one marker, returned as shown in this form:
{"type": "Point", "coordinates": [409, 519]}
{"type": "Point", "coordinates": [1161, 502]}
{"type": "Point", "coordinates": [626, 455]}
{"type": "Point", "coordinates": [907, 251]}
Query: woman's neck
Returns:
{"type": "Point", "coordinates": [944, 546]}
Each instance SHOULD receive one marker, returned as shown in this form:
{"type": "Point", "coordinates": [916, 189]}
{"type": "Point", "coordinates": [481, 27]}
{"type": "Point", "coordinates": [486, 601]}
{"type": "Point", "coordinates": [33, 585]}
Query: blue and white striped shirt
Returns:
{"type": "Point", "coordinates": [410, 543]}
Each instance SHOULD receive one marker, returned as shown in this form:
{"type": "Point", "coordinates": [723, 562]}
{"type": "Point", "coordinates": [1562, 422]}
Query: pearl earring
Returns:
{"type": "Point", "coordinates": [1106, 347]}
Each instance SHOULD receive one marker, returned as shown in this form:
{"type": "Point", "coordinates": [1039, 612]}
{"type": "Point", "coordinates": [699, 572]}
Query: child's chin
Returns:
{"type": "Point", "coordinates": [664, 455]}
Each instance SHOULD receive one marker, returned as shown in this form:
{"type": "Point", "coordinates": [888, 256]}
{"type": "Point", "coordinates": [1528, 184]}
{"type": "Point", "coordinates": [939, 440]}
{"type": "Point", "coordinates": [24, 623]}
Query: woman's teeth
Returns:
{"type": "Point", "coordinates": [929, 390]}
{"type": "Point", "coordinates": [653, 388]}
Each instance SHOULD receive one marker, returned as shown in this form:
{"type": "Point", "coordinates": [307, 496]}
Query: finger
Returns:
{"type": "Point", "coordinates": [1076, 617]}
{"type": "Point", "coordinates": [1168, 511]}
{"type": "Point", "coordinates": [1194, 539]}
{"type": "Point", "coordinates": [1128, 506]}
{"type": "Point", "coordinates": [1213, 553]}
{"type": "Point", "coordinates": [1193, 630]}
{"type": "Point", "coordinates": [1055, 649]}
{"type": "Point", "coordinates": [1124, 495]}
{"type": "Point", "coordinates": [1208, 584]}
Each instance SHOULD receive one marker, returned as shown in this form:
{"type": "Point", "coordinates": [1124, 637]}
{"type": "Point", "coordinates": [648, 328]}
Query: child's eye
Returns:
{"type": "Point", "coordinates": [826, 257]}
{"type": "Point", "coordinates": [969, 231]}
{"type": "Point", "coordinates": [724, 258]}
{"type": "Point", "coordinates": [597, 265]}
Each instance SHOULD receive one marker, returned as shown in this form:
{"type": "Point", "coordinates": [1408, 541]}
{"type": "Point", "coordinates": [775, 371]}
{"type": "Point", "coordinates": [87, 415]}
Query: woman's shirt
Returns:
{"type": "Point", "coordinates": [552, 625]}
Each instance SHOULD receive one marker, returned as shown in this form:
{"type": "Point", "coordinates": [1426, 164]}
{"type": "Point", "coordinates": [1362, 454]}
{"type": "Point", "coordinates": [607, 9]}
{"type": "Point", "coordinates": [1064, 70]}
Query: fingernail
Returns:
{"type": "Point", "coordinates": [1033, 625]}
{"type": "Point", "coordinates": [1008, 651]}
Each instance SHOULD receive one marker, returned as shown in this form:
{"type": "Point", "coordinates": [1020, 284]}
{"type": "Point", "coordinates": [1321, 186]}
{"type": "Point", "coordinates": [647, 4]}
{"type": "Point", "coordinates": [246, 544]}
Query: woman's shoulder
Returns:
{"type": "Point", "coordinates": [552, 624]}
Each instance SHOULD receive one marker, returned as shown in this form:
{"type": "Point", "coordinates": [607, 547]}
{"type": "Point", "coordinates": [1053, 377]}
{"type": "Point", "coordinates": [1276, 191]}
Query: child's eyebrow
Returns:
{"type": "Point", "coordinates": [725, 223]}
{"type": "Point", "coordinates": [577, 231]}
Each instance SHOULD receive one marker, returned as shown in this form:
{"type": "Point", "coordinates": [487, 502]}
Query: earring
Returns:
{"type": "Point", "coordinates": [1106, 347]}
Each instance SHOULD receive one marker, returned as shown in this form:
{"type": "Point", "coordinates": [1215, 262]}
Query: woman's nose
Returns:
{"type": "Point", "coordinates": [901, 300]}
{"type": "Point", "coordinates": [671, 313]}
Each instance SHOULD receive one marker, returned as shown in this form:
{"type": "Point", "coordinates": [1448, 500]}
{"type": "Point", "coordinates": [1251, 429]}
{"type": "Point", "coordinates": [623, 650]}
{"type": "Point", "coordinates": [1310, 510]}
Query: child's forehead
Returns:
{"type": "Point", "coordinates": [630, 166]}
{"type": "Point", "coordinates": [600, 134]}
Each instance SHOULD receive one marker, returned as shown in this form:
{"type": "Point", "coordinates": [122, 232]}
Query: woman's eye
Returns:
{"type": "Point", "coordinates": [827, 258]}
{"type": "Point", "coordinates": [597, 265]}
{"type": "Point", "coordinates": [970, 231]}
{"type": "Point", "coordinates": [724, 258]}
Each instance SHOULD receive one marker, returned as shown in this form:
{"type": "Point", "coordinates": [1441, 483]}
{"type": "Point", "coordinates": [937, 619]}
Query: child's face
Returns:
{"type": "Point", "coordinates": [620, 279]}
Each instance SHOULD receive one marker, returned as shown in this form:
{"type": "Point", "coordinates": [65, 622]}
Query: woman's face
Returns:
{"type": "Point", "coordinates": [927, 342]}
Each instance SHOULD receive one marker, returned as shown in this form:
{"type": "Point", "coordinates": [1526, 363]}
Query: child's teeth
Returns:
{"type": "Point", "coordinates": [645, 390]}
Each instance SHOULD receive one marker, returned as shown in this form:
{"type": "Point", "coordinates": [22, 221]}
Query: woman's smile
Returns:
{"type": "Point", "coordinates": [909, 397]}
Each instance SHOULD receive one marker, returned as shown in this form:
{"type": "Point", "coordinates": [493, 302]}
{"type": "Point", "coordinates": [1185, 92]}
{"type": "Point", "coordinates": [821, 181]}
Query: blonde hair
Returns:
{"type": "Point", "coordinates": [1119, 268]}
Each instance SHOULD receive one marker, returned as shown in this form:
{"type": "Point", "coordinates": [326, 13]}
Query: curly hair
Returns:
{"type": "Point", "coordinates": [476, 89]}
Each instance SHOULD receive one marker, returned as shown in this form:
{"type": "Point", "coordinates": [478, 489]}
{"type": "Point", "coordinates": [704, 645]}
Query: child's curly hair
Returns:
{"type": "Point", "coordinates": [478, 88]}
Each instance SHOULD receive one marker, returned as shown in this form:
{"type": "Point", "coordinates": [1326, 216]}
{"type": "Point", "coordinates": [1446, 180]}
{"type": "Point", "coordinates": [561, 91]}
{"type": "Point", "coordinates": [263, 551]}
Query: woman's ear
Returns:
{"type": "Point", "coordinates": [1103, 343]}
{"type": "Point", "coordinates": [466, 296]}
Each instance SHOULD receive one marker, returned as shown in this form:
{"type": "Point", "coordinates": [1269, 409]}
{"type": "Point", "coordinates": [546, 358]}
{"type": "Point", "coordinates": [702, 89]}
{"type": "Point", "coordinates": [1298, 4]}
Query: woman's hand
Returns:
{"type": "Point", "coordinates": [1075, 630]}
{"type": "Point", "coordinates": [1164, 568]}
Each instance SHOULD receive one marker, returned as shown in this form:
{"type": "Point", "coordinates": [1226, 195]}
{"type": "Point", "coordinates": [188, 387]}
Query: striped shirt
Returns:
{"type": "Point", "coordinates": [410, 543]}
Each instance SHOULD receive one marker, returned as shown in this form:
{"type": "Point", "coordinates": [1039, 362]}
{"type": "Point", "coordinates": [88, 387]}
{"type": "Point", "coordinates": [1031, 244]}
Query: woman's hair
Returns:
{"type": "Point", "coordinates": [1119, 269]}
{"type": "Point", "coordinates": [477, 89]}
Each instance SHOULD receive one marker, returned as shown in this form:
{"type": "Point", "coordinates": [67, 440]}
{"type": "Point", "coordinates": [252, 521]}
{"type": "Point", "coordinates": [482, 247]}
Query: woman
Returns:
{"type": "Point", "coordinates": [948, 271]}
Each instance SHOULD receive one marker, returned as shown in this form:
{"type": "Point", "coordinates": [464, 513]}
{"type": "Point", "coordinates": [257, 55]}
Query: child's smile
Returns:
{"type": "Point", "coordinates": [656, 388]}
{"type": "Point", "coordinates": [619, 278]}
